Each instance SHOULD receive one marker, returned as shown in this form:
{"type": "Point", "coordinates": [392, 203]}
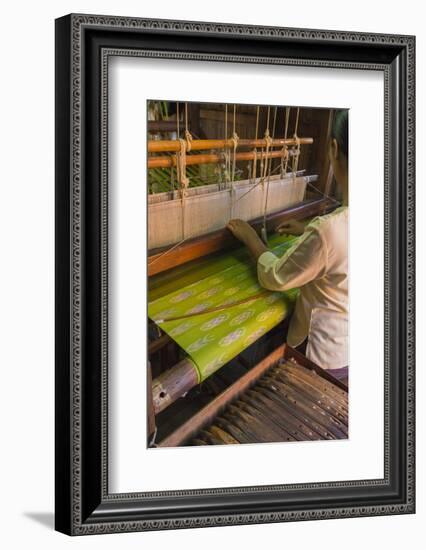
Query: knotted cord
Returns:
{"type": "Point", "coordinates": [269, 143]}
{"type": "Point", "coordinates": [262, 164]}
{"type": "Point", "coordinates": [227, 152]}
{"type": "Point", "coordinates": [177, 121]}
{"type": "Point", "coordinates": [234, 140]}
{"type": "Point", "coordinates": [295, 157]}
{"type": "Point", "coordinates": [285, 156]}
{"type": "Point", "coordinates": [261, 180]}
{"type": "Point", "coordinates": [254, 170]}
{"type": "Point", "coordinates": [188, 135]}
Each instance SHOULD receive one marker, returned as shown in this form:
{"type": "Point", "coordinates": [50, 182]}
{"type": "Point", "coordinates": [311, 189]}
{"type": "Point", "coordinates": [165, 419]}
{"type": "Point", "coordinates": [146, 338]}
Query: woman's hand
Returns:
{"type": "Point", "coordinates": [292, 227]}
{"type": "Point", "coordinates": [246, 234]}
{"type": "Point", "coordinates": [242, 230]}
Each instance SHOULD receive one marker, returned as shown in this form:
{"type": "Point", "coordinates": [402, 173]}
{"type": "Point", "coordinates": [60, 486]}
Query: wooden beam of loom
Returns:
{"type": "Point", "coordinates": [158, 146]}
{"type": "Point", "coordinates": [223, 239]}
{"type": "Point", "coordinates": [167, 162]}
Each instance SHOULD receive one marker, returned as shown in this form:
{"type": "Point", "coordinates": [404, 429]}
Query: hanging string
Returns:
{"type": "Point", "coordinates": [235, 139]}
{"type": "Point", "coordinates": [188, 135]}
{"type": "Point", "coordinates": [295, 158]}
{"type": "Point", "coordinates": [177, 120]}
{"type": "Point", "coordinates": [227, 153]}
{"type": "Point", "coordinates": [265, 208]}
{"type": "Point", "coordinates": [261, 180]}
{"type": "Point", "coordinates": [262, 160]}
{"type": "Point", "coordinates": [332, 199]}
{"type": "Point", "coordinates": [177, 137]}
{"type": "Point", "coordinates": [262, 164]}
{"type": "Point", "coordinates": [267, 118]}
{"type": "Point", "coordinates": [255, 147]}
{"type": "Point", "coordinates": [273, 129]}
{"type": "Point", "coordinates": [285, 156]}
{"type": "Point", "coordinates": [185, 146]}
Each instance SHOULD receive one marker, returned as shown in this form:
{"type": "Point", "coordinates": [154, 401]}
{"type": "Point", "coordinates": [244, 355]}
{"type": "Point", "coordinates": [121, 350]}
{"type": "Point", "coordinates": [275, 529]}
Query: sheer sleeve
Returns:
{"type": "Point", "coordinates": [303, 262]}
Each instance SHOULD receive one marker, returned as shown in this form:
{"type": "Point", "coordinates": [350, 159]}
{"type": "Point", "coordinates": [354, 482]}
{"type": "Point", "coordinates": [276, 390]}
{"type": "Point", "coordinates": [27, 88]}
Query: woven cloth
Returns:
{"type": "Point", "coordinates": [213, 338]}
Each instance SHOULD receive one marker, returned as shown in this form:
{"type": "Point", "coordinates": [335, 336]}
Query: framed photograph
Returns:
{"type": "Point", "coordinates": [232, 346]}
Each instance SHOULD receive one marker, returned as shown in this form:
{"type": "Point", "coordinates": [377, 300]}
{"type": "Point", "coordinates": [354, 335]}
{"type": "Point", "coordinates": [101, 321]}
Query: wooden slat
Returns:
{"type": "Point", "coordinates": [305, 362]}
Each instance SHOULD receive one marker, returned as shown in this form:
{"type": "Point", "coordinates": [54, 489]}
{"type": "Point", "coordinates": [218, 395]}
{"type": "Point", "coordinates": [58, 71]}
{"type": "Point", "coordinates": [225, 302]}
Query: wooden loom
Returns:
{"type": "Point", "coordinates": [179, 377]}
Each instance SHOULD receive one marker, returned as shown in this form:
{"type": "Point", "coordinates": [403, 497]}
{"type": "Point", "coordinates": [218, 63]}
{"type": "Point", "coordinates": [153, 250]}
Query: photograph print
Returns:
{"type": "Point", "coordinates": [248, 304]}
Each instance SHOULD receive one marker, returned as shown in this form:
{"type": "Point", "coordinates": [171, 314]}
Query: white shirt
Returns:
{"type": "Point", "coordinates": [317, 264]}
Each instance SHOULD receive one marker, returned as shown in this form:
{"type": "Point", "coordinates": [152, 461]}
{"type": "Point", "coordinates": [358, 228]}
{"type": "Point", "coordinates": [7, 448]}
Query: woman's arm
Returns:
{"type": "Point", "coordinates": [303, 262]}
{"type": "Point", "coordinates": [246, 234]}
{"type": "Point", "coordinates": [293, 227]}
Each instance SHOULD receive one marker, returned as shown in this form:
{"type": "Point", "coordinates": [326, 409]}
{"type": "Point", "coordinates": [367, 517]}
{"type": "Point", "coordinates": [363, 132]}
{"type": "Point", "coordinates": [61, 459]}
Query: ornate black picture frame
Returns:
{"type": "Point", "coordinates": [83, 45]}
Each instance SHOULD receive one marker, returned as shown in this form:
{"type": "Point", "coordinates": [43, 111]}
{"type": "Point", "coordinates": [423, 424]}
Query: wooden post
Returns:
{"type": "Point", "coordinates": [194, 119]}
{"type": "Point", "coordinates": [326, 174]}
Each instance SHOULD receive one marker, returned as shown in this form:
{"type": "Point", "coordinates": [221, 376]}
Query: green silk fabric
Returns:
{"type": "Point", "coordinates": [213, 338]}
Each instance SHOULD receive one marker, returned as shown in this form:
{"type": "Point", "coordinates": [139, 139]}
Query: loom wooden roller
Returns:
{"type": "Point", "coordinates": [173, 384]}
{"type": "Point", "coordinates": [161, 146]}
{"type": "Point", "coordinates": [213, 158]}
